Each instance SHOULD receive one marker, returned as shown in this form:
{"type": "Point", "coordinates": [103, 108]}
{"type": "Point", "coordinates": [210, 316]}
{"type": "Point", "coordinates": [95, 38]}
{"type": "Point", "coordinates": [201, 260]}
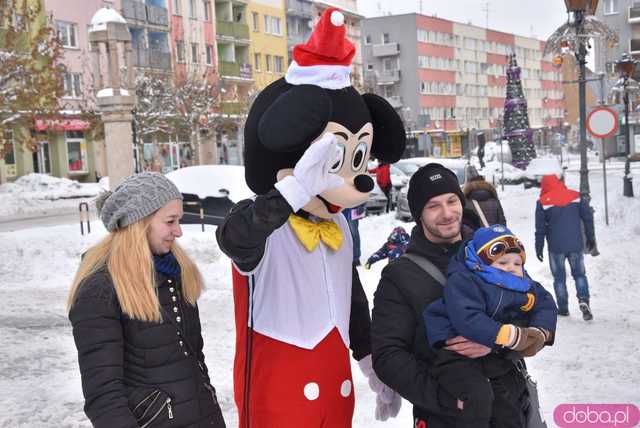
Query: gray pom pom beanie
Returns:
{"type": "Point", "coordinates": [135, 198]}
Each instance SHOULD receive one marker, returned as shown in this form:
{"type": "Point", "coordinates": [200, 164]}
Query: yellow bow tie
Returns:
{"type": "Point", "coordinates": [310, 233]}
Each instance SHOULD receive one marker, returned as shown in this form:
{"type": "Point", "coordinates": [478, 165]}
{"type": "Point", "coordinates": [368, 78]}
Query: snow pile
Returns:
{"type": "Point", "coordinates": [212, 180]}
{"type": "Point", "coordinates": [39, 194]}
{"type": "Point", "coordinates": [492, 172]}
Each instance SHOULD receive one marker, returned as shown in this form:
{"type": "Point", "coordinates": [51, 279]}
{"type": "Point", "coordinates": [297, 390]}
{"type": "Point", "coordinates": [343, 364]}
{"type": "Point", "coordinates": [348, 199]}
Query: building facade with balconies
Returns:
{"type": "Point", "coordinates": [623, 17]}
{"type": "Point", "coordinates": [148, 23]}
{"type": "Point", "coordinates": [300, 15]}
{"type": "Point", "coordinates": [268, 49]}
{"type": "Point", "coordinates": [443, 76]}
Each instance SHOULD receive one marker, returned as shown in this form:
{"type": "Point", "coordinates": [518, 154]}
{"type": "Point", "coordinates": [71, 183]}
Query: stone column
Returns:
{"type": "Point", "coordinates": [116, 116]}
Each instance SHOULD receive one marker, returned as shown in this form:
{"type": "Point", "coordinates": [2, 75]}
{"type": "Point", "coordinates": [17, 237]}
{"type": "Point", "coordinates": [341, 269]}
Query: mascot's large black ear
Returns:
{"type": "Point", "coordinates": [295, 118]}
{"type": "Point", "coordinates": [389, 138]}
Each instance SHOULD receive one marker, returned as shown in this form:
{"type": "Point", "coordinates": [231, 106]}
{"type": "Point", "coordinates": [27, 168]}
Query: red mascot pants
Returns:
{"type": "Point", "coordinates": [278, 385]}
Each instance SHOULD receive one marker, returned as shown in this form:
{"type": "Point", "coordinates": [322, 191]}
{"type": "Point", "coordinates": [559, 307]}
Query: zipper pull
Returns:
{"type": "Point", "coordinates": [169, 408]}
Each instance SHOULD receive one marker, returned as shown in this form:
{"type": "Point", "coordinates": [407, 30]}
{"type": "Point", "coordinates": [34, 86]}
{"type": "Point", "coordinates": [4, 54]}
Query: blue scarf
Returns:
{"type": "Point", "coordinates": [492, 275]}
{"type": "Point", "coordinates": [167, 265]}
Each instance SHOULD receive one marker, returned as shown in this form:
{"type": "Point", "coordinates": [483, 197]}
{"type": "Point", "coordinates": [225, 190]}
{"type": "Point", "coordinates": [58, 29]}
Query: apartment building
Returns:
{"type": "Point", "coordinates": [444, 76]}
{"type": "Point", "coordinates": [268, 49]}
{"type": "Point", "coordinates": [300, 22]}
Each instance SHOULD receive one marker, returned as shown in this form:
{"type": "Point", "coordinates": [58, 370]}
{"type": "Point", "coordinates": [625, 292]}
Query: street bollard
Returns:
{"type": "Point", "coordinates": [199, 204]}
{"type": "Point", "coordinates": [84, 217]}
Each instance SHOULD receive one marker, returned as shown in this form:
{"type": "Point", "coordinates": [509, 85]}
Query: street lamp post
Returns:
{"type": "Point", "coordinates": [579, 9]}
{"type": "Point", "coordinates": [626, 66]}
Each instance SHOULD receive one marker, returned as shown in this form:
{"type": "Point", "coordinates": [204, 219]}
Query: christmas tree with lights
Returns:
{"type": "Point", "coordinates": [516, 118]}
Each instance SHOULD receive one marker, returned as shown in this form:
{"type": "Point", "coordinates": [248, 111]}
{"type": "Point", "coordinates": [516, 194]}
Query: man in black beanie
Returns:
{"type": "Point", "coordinates": [401, 355]}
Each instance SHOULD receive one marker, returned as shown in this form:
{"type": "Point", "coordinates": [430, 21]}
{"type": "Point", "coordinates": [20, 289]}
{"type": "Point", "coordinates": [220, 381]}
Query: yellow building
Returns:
{"type": "Point", "coordinates": [268, 32]}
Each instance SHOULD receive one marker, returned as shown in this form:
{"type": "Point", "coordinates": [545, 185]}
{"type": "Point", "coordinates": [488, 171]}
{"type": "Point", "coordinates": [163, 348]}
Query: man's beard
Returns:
{"type": "Point", "coordinates": [445, 236]}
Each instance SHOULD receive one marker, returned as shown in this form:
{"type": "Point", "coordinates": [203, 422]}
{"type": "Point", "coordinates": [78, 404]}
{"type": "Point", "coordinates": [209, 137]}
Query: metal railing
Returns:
{"type": "Point", "coordinates": [386, 49]}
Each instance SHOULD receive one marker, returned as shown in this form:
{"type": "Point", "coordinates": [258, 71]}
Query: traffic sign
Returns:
{"type": "Point", "coordinates": [602, 122]}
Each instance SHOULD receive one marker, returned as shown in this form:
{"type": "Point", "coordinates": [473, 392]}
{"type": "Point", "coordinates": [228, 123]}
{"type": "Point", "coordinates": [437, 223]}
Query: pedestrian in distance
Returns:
{"type": "Point", "coordinates": [135, 319]}
{"type": "Point", "coordinates": [402, 357]}
{"type": "Point", "coordinates": [482, 198]}
{"type": "Point", "coordinates": [490, 299]}
{"type": "Point", "coordinates": [561, 217]}
{"type": "Point", "coordinates": [383, 178]}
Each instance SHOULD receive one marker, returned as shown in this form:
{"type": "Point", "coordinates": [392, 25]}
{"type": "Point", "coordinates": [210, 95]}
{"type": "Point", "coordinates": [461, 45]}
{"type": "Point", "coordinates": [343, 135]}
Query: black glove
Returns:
{"type": "Point", "coordinates": [590, 245]}
{"type": "Point", "coordinates": [539, 256]}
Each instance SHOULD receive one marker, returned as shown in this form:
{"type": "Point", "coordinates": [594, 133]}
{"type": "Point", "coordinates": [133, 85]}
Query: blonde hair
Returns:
{"type": "Point", "coordinates": [127, 256]}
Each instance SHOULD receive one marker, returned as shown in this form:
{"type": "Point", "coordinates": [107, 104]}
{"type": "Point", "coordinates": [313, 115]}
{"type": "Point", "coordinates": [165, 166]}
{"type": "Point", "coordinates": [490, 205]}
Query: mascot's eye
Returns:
{"type": "Point", "coordinates": [359, 156]}
{"type": "Point", "coordinates": [338, 164]}
{"type": "Point", "coordinates": [496, 249]}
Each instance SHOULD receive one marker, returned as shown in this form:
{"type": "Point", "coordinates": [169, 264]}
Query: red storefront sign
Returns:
{"type": "Point", "coordinates": [61, 124]}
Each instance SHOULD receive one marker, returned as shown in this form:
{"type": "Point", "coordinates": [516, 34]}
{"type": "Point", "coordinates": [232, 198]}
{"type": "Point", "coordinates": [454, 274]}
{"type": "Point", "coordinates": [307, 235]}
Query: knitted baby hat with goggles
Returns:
{"type": "Point", "coordinates": [493, 242]}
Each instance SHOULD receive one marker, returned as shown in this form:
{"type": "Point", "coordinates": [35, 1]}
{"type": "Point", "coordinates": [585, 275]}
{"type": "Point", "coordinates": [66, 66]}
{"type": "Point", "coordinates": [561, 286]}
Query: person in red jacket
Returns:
{"type": "Point", "coordinates": [383, 178]}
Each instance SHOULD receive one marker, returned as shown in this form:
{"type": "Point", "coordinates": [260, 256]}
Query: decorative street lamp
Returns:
{"type": "Point", "coordinates": [574, 36]}
{"type": "Point", "coordinates": [626, 66]}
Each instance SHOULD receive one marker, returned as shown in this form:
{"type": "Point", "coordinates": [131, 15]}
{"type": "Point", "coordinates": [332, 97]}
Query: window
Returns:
{"type": "Point", "coordinates": [207, 7]}
{"type": "Point", "coordinates": [192, 9]}
{"type": "Point", "coordinates": [257, 59]}
{"type": "Point", "coordinates": [275, 26]}
{"type": "Point", "coordinates": [267, 63]}
{"type": "Point", "coordinates": [76, 152]}
{"type": "Point", "coordinates": [180, 51]}
{"type": "Point", "coordinates": [370, 67]}
{"type": "Point", "coordinates": [9, 153]}
{"type": "Point", "coordinates": [255, 19]}
{"type": "Point", "coordinates": [209, 50]}
{"type": "Point", "coordinates": [72, 85]}
{"type": "Point", "coordinates": [388, 64]}
{"type": "Point", "coordinates": [610, 6]}
{"type": "Point", "coordinates": [176, 7]}
{"type": "Point", "coordinates": [194, 53]}
{"type": "Point", "coordinates": [67, 34]}
{"type": "Point", "coordinates": [385, 38]}
{"type": "Point", "coordinates": [267, 24]}
{"type": "Point", "coordinates": [277, 66]}
{"type": "Point", "coordinates": [367, 39]}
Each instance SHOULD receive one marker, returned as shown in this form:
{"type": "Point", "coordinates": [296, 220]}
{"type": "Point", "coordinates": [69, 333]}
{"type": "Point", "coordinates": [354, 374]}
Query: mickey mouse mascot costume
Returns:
{"type": "Point", "coordinates": [299, 303]}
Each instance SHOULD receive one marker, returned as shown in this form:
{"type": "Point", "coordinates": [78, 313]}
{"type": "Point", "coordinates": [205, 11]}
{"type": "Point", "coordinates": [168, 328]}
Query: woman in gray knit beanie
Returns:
{"type": "Point", "coordinates": [135, 319]}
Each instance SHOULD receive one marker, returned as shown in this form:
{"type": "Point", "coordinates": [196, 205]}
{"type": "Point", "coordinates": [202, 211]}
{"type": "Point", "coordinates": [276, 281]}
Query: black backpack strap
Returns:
{"type": "Point", "coordinates": [427, 266]}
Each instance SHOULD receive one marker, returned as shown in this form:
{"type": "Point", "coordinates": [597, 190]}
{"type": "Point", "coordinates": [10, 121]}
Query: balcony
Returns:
{"type": "Point", "coordinates": [299, 8]}
{"type": "Point", "coordinates": [634, 14]}
{"type": "Point", "coordinates": [232, 31]}
{"type": "Point", "coordinates": [395, 101]}
{"type": "Point", "coordinates": [386, 49]}
{"type": "Point", "coordinates": [138, 11]}
{"type": "Point", "coordinates": [157, 15]}
{"type": "Point", "coordinates": [634, 46]}
{"type": "Point", "coordinates": [235, 70]}
{"type": "Point", "coordinates": [152, 58]}
{"type": "Point", "coordinates": [233, 107]}
{"type": "Point", "coordinates": [388, 77]}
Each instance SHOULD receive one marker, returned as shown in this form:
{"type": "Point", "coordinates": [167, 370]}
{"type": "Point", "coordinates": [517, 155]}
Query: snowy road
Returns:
{"type": "Point", "coordinates": [590, 363]}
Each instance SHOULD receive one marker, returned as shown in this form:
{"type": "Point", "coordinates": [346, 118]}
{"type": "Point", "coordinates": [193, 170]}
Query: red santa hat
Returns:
{"type": "Point", "coordinates": [325, 60]}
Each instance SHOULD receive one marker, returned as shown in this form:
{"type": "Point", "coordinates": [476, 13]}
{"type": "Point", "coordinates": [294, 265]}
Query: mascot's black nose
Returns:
{"type": "Point", "coordinates": [363, 183]}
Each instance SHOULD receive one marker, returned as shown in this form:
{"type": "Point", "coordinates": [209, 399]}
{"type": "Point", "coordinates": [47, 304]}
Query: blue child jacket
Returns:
{"type": "Point", "coordinates": [475, 308]}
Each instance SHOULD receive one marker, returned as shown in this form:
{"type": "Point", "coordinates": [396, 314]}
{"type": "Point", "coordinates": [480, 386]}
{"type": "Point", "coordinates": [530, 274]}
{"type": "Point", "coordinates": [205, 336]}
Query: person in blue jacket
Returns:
{"type": "Point", "coordinates": [560, 217]}
{"type": "Point", "coordinates": [490, 299]}
{"type": "Point", "coordinates": [396, 246]}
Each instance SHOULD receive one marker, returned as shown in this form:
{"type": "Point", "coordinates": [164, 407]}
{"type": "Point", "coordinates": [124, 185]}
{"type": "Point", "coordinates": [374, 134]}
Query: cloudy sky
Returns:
{"type": "Point", "coordinates": [538, 18]}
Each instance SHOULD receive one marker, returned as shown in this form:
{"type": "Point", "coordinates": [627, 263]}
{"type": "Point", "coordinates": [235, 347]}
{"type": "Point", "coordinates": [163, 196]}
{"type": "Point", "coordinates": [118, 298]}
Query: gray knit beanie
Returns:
{"type": "Point", "coordinates": [135, 198]}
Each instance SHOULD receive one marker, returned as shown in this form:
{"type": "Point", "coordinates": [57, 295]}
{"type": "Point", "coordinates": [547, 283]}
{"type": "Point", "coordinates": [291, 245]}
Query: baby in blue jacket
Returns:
{"type": "Point", "coordinates": [489, 299]}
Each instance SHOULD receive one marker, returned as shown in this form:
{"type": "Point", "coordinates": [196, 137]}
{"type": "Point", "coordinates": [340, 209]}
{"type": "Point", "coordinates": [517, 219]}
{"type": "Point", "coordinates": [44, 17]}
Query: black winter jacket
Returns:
{"type": "Point", "coordinates": [487, 198]}
{"type": "Point", "coordinates": [402, 358]}
{"type": "Point", "coordinates": [135, 372]}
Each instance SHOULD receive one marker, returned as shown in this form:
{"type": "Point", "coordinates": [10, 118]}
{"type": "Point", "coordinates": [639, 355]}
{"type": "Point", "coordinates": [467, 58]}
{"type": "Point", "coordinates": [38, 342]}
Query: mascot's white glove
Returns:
{"type": "Point", "coordinates": [311, 174]}
{"type": "Point", "coordinates": [388, 401]}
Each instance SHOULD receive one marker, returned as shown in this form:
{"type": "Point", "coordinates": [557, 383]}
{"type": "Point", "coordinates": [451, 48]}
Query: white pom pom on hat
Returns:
{"type": "Point", "coordinates": [337, 18]}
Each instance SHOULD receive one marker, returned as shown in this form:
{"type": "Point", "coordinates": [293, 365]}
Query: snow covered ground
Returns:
{"type": "Point", "coordinates": [593, 362]}
{"type": "Point", "coordinates": [41, 194]}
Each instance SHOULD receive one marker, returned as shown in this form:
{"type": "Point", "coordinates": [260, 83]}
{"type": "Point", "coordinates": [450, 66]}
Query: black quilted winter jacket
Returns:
{"type": "Point", "coordinates": [140, 374]}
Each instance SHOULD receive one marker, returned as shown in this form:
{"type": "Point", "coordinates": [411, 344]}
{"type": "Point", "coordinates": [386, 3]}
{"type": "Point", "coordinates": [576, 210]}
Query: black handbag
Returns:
{"type": "Point", "coordinates": [534, 416]}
